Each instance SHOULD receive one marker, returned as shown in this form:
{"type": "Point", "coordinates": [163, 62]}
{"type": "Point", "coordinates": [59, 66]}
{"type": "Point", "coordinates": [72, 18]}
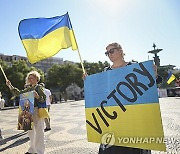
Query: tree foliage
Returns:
{"type": "Point", "coordinates": [61, 76]}
{"type": "Point", "coordinates": [93, 68]}
{"type": "Point", "coordinates": [3, 87]}
{"type": "Point", "coordinates": [16, 73]}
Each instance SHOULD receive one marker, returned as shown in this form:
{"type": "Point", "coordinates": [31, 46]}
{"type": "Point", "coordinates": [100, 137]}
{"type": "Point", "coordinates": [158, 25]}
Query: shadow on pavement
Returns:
{"type": "Point", "coordinates": [16, 143]}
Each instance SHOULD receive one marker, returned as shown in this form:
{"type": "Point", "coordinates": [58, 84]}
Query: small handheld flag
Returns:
{"type": "Point", "coordinates": [170, 78]}
{"type": "Point", "coordinates": [44, 37]}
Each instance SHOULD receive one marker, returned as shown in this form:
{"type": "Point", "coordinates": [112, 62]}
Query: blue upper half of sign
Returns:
{"type": "Point", "coordinates": [99, 86]}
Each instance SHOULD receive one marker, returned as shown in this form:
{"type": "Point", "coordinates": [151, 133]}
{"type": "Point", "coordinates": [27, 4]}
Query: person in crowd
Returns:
{"type": "Point", "coordinates": [115, 53]}
{"type": "Point", "coordinates": [36, 135]}
{"type": "Point", "coordinates": [2, 101]}
{"type": "Point", "coordinates": [1, 135]}
{"type": "Point", "coordinates": [48, 104]}
{"type": "Point", "coordinates": [177, 83]}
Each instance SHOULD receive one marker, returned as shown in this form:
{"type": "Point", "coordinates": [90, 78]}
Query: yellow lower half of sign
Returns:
{"type": "Point", "coordinates": [140, 126]}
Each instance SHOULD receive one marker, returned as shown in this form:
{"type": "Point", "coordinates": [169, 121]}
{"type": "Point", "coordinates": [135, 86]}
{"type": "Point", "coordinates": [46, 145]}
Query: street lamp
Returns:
{"type": "Point", "coordinates": [155, 51]}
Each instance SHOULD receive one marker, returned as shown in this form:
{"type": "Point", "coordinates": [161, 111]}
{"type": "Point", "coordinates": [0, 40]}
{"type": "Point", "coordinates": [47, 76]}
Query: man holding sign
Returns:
{"type": "Point", "coordinates": [122, 109]}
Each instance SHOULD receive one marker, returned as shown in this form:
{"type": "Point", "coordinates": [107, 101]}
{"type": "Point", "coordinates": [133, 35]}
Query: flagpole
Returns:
{"type": "Point", "coordinates": [10, 86]}
{"type": "Point", "coordinates": [84, 72]}
{"type": "Point", "coordinates": [81, 62]}
{"type": "Point", "coordinates": [3, 73]}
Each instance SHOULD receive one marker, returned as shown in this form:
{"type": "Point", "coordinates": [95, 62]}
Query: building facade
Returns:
{"type": "Point", "coordinates": [44, 65]}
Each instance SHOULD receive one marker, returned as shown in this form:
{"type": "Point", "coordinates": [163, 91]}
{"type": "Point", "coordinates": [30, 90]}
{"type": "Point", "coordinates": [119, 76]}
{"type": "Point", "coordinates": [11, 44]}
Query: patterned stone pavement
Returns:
{"type": "Point", "coordinates": [170, 112]}
{"type": "Point", "coordinates": [68, 134]}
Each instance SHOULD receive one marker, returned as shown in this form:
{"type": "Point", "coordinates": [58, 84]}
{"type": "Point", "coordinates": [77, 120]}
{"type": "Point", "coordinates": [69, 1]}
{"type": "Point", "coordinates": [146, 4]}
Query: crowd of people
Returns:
{"type": "Point", "coordinates": [115, 53]}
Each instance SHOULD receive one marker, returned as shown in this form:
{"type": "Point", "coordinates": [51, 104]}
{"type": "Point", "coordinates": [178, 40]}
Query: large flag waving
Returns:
{"type": "Point", "coordinates": [45, 37]}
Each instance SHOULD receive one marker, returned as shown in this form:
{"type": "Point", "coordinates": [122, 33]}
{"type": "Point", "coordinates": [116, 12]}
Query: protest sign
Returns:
{"type": "Point", "coordinates": [122, 108]}
{"type": "Point", "coordinates": [26, 110]}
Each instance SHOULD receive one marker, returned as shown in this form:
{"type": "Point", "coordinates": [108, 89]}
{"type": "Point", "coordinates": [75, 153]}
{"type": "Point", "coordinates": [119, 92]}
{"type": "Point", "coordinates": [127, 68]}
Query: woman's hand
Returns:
{"type": "Point", "coordinates": [84, 76]}
{"type": "Point", "coordinates": [36, 95]}
{"type": "Point", "coordinates": [8, 83]}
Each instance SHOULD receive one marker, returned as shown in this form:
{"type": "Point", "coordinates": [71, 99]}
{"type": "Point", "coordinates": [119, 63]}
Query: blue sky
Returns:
{"type": "Point", "coordinates": [135, 24]}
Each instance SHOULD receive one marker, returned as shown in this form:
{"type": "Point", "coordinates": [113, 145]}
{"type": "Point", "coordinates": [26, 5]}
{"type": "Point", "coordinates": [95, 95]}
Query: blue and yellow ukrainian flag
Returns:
{"type": "Point", "coordinates": [140, 124]}
{"type": "Point", "coordinates": [171, 77]}
{"type": "Point", "coordinates": [44, 37]}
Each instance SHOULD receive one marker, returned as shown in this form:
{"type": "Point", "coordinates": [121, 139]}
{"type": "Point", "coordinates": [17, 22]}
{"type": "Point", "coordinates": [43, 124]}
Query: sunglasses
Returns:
{"type": "Point", "coordinates": [111, 51]}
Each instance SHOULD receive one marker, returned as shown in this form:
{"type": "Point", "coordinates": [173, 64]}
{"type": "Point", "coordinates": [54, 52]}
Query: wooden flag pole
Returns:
{"type": "Point", "coordinates": [3, 73]}
{"type": "Point", "coordinates": [84, 72]}
{"type": "Point", "coordinates": [10, 86]}
{"type": "Point", "coordinates": [81, 62]}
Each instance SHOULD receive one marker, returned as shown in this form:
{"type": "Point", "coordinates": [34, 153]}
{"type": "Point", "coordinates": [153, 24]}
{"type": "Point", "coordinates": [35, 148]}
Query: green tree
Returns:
{"type": "Point", "coordinates": [3, 87]}
{"type": "Point", "coordinates": [177, 75]}
{"type": "Point", "coordinates": [94, 67]}
{"type": "Point", "coordinates": [62, 76]}
{"type": "Point", "coordinates": [52, 78]}
{"type": "Point", "coordinates": [16, 73]}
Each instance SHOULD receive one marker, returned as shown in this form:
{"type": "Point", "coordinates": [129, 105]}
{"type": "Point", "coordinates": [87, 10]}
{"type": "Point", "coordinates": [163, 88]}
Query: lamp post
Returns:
{"type": "Point", "coordinates": [156, 57]}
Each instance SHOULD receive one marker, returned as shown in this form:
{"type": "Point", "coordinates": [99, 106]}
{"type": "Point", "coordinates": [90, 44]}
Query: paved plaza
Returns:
{"type": "Point", "coordinates": [68, 134]}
